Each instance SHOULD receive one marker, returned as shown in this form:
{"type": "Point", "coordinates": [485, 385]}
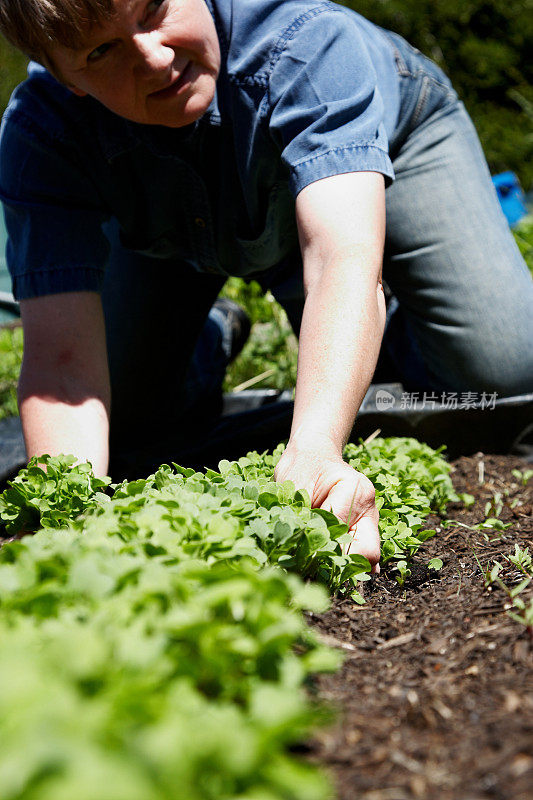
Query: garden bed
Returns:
{"type": "Point", "coordinates": [436, 689]}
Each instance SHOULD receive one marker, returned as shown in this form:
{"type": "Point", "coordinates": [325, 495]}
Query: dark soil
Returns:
{"type": "Point", "coordinates": [436, 692]}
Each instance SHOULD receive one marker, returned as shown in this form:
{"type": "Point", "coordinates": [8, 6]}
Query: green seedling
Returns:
{"type": "Point", "coordinates": [492, 523]}
{"type": "Point", "coordinates": [522, 559]}
{"type": "Point", "coordinates": [403, 572]}
{"type": "Point", "coordinates": [519, 609]}
{"type": "Point", "coordinates": [494, 507]}
{"type": "Point", "coordinates": [523, 477]}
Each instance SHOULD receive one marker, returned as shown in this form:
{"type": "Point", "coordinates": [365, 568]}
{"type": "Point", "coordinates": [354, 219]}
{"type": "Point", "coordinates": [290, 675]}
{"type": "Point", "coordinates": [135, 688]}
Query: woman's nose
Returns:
{"type": "Point", "coordinates": [151, 54]}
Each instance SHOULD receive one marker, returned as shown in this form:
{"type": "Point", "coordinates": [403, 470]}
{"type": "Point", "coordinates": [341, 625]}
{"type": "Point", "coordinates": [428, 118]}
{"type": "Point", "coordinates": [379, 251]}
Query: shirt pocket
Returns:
{"type": "Point", "coordinates": [164, 245]}
{"type": "Point", "coordinates": [278, 236]}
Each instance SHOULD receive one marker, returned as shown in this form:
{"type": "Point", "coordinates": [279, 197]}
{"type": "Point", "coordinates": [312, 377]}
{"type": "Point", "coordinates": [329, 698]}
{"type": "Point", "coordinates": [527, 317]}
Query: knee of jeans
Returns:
{"type": "Point", "coordinates": [504, 367]}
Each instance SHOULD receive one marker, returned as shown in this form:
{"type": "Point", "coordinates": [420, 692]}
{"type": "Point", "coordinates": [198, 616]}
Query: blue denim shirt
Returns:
{"type": "Point", "coordinates": [306, 90]}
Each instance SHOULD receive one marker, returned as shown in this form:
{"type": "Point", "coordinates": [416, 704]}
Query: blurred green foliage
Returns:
{"type": "Point", "coordinates": [269, 357]}
{"type": "Point", "coordinates": [523, 234]}
{"type": "Point", "coordinates": [483, 45]}
{"type": "Point", "coordinates": [11, 343]}
{"type": "Point", "coordinates": [12, 71]}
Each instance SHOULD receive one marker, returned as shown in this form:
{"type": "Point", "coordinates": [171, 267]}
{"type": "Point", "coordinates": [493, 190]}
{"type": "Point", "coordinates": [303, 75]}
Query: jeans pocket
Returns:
{"type": "Point", "coordinates": [424, 87]}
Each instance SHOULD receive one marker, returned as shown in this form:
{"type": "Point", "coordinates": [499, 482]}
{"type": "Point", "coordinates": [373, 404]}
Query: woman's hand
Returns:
{"type": "Point", "coordinates": [335, 486]}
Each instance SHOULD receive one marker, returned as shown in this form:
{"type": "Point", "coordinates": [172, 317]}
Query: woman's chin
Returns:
{"type": "Point", "coordinates": [188, 104]}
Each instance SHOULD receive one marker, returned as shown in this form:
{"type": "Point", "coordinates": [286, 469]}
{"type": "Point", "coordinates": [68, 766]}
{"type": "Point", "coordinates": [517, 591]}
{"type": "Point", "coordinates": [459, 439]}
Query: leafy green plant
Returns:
{"type": "Point", "coordinates": [411, 480]}
{"type": "Point", "coordinates": [156, 650]}
{"type": "Point", "coordinates": [275, 522]}
{"type": "Point", "coordinates": [467, 499]}
{"type": "Point", "coordinates": [11, 344]}
{"type": "Point", "coordinates": [494, 507]}
{"type": "Point", "coordinates": [155, 674]}
{"type": "Point", "coordinates": [522, 560]}
{"type": "Point", "coordinates": [523, 234]}
{"type": "Point", "coordinates": [153, 641]}
{"type": "Point", "coordinates": [51, 497]}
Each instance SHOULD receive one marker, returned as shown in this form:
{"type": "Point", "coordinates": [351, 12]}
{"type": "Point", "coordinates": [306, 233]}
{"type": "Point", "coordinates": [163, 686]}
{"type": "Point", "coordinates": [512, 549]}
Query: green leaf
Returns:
{"type": "Point", "coordinates": [267, 500]}
{"type": "Point", "coordinates": [316, 540]}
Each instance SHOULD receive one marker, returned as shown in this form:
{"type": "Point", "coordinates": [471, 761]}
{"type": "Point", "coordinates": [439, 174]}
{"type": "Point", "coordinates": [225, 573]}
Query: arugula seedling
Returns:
{"type": "Point", "coordinates": [523, 477]}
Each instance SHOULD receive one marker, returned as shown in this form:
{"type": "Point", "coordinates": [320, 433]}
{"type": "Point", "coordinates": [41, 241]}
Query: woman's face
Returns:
{"type": "Point", "coordinates": [155, 62]}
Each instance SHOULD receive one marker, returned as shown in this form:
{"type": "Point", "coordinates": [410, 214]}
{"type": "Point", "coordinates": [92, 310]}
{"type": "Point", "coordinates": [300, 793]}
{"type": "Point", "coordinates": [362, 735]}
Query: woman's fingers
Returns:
{"type": "Point", "coordinates": [352, 499]}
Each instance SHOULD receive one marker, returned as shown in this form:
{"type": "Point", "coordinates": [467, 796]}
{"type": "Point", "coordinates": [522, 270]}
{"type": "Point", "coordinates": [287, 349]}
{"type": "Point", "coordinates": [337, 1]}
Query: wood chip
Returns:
{"type": "Point", "coordinates": [397, 641]}
{"type": "Point", "coordinates": [521, 764]}
{"type": "Point", "coordinates": [406, 762]}
{"type": "Point", "coordinates": [440, 708]}
{"type": "Point", "coordinates": [372, 436]}
{"type": "Point", "coordinates": [438, 646]}
{"type": "Point", "coordinates": [331, 641]}
{"type": "Point", "coordinates": [252, 381]}
{"type": "Point", "coordinates": [500, 626]}
{"type": "Point", "coordinates": [394, 793]}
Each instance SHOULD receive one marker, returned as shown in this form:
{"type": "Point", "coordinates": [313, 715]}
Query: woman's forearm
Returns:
{"type": "Point", "coordinates": [340, 337]}
{"type": "Point", "coordinates": [53, 427]}
{"type": "Point", "coordinates": [64, 389]}
{"type": "Point", "coordinates": [71, 423]}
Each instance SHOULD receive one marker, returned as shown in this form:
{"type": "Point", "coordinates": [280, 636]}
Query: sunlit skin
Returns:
{"type": "Point", "coordinates": [155, 62]}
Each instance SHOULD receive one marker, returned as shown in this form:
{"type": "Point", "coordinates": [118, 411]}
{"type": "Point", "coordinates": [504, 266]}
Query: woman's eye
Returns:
{"type": "Point", "coordinates": [99, 51]}
{"type": "Point", "coordinates": [153, 5]}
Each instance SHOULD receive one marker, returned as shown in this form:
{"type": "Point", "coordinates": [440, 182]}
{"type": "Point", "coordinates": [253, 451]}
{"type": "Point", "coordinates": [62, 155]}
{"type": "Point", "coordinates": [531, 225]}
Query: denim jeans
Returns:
{"type": "Point", "coordinates": [464, 291]}
{"type": "Point", "coordinates": [166, 357]}
{"type": "Point", "coordinates": [462, 319]}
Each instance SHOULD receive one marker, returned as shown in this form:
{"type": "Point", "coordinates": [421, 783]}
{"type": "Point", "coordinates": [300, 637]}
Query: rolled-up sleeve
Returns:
{"type": "Point", "coordinates": [53, 214]}
{"type": "Point", "coordinates": [325, 109]}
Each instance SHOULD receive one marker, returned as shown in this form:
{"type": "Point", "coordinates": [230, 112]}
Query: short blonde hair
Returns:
{"type": "Point", "coordinates": [34, 26]}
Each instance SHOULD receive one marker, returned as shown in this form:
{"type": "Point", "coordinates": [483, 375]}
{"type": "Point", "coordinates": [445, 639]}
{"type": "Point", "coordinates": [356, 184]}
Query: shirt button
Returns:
{"type": "Point", "coordinates": [199, 222]}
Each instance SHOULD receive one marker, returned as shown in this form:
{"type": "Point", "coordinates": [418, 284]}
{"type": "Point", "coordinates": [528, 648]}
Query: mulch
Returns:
{"type": "Point", "coordinates": [435, 698]}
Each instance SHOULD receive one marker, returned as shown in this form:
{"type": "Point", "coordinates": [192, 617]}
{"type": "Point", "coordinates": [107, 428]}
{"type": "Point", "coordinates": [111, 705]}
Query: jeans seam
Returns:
{"type": "Point", "coordinates": [401, 66]}
{"type": "Point", "coordinates": [421, 101]}
{"type": "Point", "coordinates": [406, 72]}
{"type": "Point", "coordinates": [427, 82]}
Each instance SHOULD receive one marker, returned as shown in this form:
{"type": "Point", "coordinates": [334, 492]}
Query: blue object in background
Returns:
{"type": "Point", "coordinates": [511, 196]}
